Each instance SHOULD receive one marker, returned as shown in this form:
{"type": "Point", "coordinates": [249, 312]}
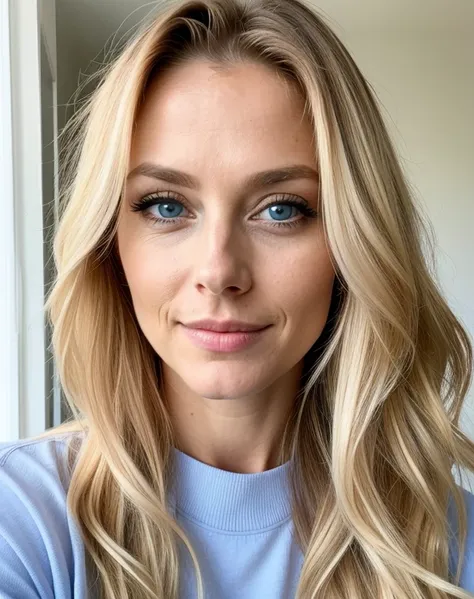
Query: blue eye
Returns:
{"type": "Point", "coordinates": [279, 210]}
{"type": "Point", "coordinates": [169, 206]}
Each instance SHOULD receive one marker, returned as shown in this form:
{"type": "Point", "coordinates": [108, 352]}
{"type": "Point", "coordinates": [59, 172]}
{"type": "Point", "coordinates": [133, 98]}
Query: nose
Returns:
{"type": "Point", "coordinates": [222, 260]}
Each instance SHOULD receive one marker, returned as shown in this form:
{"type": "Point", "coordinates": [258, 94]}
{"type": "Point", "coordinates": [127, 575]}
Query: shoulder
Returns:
{"type": "Point", "coordinates": [40, 545]}
{"type": "Point", "coordinates": [30, 458]}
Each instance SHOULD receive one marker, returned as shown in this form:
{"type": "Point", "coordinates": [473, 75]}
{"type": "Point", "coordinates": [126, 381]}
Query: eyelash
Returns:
{"type": "Point", "coordinates": [159, 198]}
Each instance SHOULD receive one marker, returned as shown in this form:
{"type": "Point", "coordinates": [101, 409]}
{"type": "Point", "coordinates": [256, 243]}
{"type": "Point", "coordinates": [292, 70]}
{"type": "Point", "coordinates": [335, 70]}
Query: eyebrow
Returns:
{"type": "Point", "coordinates": [254, 181]}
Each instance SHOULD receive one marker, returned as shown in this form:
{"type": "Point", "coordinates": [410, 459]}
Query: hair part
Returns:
{"type": "Point", "coordinates": [374, 433]}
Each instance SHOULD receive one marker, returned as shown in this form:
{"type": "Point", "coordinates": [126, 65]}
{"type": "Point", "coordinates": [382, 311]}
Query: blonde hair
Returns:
{"type": "Point", "coordinates": [374, 433]}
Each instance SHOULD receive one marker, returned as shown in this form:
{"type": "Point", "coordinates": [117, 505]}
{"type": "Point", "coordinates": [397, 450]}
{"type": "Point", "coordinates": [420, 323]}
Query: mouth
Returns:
{"type": "Point", "coordinates": [224, 326]}
{"type": "Point", "coordinates": [223, 341]}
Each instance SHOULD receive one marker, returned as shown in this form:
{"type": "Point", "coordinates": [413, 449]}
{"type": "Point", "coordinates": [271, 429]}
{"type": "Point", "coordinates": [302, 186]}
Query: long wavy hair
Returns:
{"type": "Point", "coordinates": [374, 434]}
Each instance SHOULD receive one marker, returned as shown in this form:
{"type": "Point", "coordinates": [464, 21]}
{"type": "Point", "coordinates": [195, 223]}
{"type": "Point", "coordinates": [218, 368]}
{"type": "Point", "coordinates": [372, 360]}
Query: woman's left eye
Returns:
{"type": "Point", "coordinates": [168, 205]}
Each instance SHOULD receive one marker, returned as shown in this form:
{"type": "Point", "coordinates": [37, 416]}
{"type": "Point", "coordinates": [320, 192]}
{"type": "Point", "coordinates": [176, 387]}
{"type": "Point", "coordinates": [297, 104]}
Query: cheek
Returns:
{"type": "Point", "coordinates": [150, 276]}
{"type": "Point", "coordinates": [305, 290]}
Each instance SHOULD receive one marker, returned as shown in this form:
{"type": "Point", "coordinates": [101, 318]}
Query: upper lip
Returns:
{"type": "Point", "coordinates": [224, 326]}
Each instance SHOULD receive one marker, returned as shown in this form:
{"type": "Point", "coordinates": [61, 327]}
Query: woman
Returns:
{"type": "Point", "coordinates": [233, 165]}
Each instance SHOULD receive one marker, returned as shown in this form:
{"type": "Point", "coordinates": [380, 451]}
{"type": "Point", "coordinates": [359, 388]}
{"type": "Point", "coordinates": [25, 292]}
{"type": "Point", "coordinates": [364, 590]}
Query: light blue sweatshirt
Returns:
{"type": "Point", "coordinates": [239, 524]}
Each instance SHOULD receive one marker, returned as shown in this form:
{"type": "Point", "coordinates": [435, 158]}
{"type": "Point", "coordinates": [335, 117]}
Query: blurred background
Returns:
{"type": "Point", "coordinates": [417, 56]}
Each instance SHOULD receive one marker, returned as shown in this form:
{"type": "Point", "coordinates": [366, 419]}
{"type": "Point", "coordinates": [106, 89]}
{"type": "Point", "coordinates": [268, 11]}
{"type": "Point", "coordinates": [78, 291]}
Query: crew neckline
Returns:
{"type": "Point", "coordinates": [230, 501]}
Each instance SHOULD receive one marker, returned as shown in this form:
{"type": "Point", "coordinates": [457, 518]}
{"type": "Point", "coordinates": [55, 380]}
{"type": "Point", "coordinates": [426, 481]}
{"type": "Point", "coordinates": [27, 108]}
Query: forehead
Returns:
{"type": "Point", "coordinates": [243, 101]}
{"type": "Point", "coordinates": [221, 125]}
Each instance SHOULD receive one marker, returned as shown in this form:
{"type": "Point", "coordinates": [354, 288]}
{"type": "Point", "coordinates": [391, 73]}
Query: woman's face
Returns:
{"type": "Point", "coordinates": [229, 245]}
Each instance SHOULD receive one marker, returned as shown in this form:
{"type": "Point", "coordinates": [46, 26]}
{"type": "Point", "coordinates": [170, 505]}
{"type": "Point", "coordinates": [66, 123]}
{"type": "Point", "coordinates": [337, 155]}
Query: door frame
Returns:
{"type": "Point", "coordinates": [23, 25]}
{"type": "Point", "coordinates": [10, 271]}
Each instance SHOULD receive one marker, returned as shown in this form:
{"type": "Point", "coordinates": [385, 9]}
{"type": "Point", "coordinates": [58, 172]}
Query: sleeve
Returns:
{"type": "Point", "coordinates": [466, 580]}
{"type": "Point", "coordinates": [36, 554]}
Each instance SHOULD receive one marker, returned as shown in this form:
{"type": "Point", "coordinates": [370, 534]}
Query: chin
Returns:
{"type": "Point", "coordinates": [224, 385]}
{"type": "Point", "coordinates": [224, 391]}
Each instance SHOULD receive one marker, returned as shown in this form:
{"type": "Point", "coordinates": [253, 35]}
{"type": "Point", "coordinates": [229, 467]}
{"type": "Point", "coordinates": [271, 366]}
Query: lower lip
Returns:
{"type": "Point", "coordinates": [223, 342]}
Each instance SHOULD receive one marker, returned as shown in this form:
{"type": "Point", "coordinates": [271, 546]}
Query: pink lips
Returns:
{"type": "Point", "coordinates": [223, 342]}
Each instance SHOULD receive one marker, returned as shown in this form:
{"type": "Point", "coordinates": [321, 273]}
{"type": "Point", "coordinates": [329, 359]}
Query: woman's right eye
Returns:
{"type": "Point", "coordinates": [168, 200]}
